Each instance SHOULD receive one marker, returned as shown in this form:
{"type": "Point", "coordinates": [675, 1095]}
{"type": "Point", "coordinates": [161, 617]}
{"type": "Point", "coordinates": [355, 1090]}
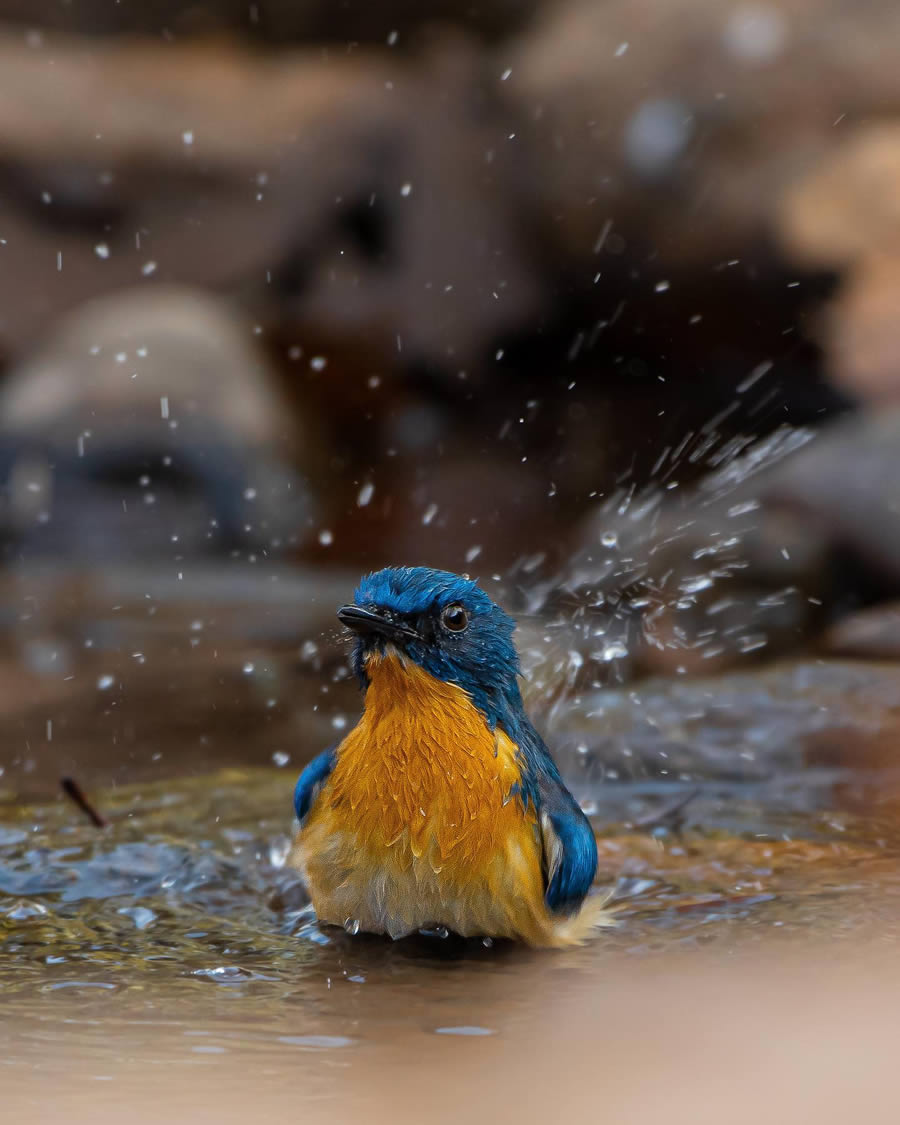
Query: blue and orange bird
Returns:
{"type": "Point", "coordinates": [443, 806]}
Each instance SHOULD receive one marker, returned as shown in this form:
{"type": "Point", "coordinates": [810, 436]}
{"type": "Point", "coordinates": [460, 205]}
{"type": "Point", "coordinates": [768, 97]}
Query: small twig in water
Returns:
{"type": "Point", "coordinates": [75, 793]}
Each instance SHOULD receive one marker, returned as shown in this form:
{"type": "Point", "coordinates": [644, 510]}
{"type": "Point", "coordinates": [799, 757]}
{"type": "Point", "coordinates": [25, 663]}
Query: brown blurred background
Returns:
{"type": "Point", "coordinates": [595, 300]}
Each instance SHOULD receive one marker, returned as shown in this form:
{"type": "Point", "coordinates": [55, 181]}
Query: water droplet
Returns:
{"type": "Point", "coordinates": [465, 1029]}
{"type": "Point", "coordinates": [406, 190]}
{"type": "Point", "coordinates": [473, 553]}
{"type": "Point", "coordinates": [142, 916]}
{"type": "Point", "coordinates": [280, 758]}
{"type": "Point", "coordinates": [326, 538]}
{"type": "Point", "coordinates": [695, 585]}
{"type": "Point", "coordinates": [756, 33]}
{"type": "Point", "coordinates": [104, 683]}
{"type": "Point", "coordinates": [101, 250]}
{"type": "Point", "coordinates": [351, 925]}
{"type": "Point", "coordinates": [318, 363]}
{"type": "Point", "coordinates": [743, 508]}
{"type": "Point", "coordinates": [279, 850]}
{"type": "Point", "coordinates": [226, 974]}
{"type": "Point", "coordinates": [249, 493]}
{"type": "Point", "coordinates": [429, 513]}
{"type": "Point", "coordinates": [613, 651]}
{"type": "Point", "coordinates": [609, 539]}
{"type": "Point", "coordinates": [187, 137]}
{"type": "Point", "coordinates": [439, 932]}
{"type": "Point", "coordinates": [21, 910]}
{"type": "Point", "coordinates": [315, 1042]}
{"type": "Point", "coordinates": [365, 494]}
{"type": "Point", "coordinates": [249, 668]}
{"type": "Point", "coordinates": [655, 136]}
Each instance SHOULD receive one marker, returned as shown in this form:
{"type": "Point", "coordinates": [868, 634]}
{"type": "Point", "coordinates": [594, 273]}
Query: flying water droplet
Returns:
{"type": "Point", "coordinates": [695, 585]}
{"type": "Point", "coordinates": [351, 925]}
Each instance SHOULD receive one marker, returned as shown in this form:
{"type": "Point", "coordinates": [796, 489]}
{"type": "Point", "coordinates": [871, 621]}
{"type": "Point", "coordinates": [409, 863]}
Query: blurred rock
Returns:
{"type": "Point", "coordinates": [358, 205]}
{"type": "Point", "coordinates": [749, 726]}
{"type": "Point", "coordinates": [860, 333]}
{"type": "Point", "coordinates": [845, 488]}
{"type": "Point", "coordinates": [149, 425]}
{"type": "Point", "coordinates": [872, 634]}
{"type": "Point", "coordinates": [847, 207]}
{"type": "Point", "coordinates": [673, 127]}
{"type": "Point", "coordinates": [845, 216]}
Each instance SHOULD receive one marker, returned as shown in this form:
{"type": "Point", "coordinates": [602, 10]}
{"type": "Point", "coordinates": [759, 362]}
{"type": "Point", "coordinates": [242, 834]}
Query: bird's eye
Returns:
{"type": "Point", "coordinates": [454, 618]}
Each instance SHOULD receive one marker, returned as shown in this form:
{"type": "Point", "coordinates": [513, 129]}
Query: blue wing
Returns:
{"type": "Point", "coordinates": [570, 849]}
{"type": "Point", "coordinates": [567, 839]}
{"type": "Point", "coordinates": [311, 781]}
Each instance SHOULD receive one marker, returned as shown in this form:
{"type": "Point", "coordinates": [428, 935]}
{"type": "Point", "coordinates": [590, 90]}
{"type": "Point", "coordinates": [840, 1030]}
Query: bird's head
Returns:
{"type": "Point", "coordinates": [442, 622]}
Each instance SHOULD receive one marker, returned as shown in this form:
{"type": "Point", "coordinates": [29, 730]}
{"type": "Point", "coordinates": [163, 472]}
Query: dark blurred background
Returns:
{"type": "Point", "coordinates": [593, 299]}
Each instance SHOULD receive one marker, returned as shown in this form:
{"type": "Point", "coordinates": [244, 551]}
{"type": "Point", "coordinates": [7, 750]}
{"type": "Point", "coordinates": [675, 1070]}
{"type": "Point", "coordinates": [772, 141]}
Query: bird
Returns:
{"type": "Point", "coordinates": [442, 809]}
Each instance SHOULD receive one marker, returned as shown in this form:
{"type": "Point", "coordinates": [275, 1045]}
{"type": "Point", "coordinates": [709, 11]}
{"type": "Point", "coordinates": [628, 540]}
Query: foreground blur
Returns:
{"type": "Point", "coordinates": [733, 1039]}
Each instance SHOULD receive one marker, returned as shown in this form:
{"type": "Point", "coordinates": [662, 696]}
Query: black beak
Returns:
{"type": "Point", "coordinates": [365, 622]}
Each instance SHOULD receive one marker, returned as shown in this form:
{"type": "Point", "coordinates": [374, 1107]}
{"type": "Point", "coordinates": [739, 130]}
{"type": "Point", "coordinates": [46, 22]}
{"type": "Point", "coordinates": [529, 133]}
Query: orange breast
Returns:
{"type": "Point", "coordinates": [419, 822]}
{"type": "Point", "coordinates": [422, 766]}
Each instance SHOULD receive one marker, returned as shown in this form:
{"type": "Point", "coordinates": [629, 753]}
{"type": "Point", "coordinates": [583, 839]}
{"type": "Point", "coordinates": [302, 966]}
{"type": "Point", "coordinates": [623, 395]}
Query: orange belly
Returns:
{"type": "Point", "coordinates": [419, 823]}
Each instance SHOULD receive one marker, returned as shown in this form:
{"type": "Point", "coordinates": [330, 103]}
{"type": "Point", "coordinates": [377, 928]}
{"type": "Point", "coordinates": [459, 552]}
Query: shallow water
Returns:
{"type": "Point", "coordinates": [177, 935]}
{"type": "Point", "coordinates": [171, 958]}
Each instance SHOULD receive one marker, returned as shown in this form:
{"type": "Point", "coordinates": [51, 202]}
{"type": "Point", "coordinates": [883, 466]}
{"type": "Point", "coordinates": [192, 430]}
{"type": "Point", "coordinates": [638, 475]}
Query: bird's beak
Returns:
{"type": "Point", "coordinates": [367, 622]}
